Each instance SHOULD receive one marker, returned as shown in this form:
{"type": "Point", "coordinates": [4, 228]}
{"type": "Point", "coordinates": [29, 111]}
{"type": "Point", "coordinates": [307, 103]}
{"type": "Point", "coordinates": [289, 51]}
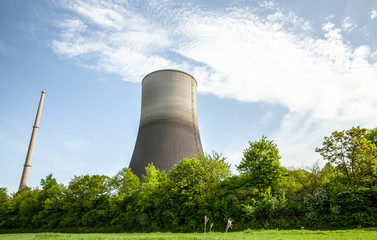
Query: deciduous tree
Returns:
{"type": "Point", "coordinates": [353, 155]}
{"type": "Point", "coordinates": [215, 167]}
{"type": "Point", "coordinates": [261, 163]}
{"type": "Point", "coordinates": [125, 182]}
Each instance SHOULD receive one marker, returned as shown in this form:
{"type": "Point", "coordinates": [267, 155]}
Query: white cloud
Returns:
{"type": "Point", "coordinates": [373, 14]}
{"type": "Point", "coordinates": [330, 17]}
{"type": "Point", "coordinates": [348, 25]}
{"type": "Point", "coordinates": [121, 41]}
{"type": "Point", "coordinates": [72, 26]}
{"type": "Point", "coordinates": [374, 56]}
{"type": "Point", "coordinates": [362, 52]}
{"type": "Point", "coordinates": [324, 82]}
{"type": "Point", "coordinates": [267, 4]}
{"type": "Point", "coordinates": [100, 13]}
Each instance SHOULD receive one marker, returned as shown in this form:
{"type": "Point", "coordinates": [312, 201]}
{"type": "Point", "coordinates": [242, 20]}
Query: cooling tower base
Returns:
{"type": "Point", "coordinates": [165, 143]}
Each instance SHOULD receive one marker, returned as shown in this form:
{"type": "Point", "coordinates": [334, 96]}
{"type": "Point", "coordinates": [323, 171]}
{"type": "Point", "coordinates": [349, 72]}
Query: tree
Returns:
{"type": "Point", "coordinates": [352, 154]}
{"type": "Point", "coordinates": [372, 136]}
{"type": "Point", "coordinates": [186, 184]}
{"type": "Point", "coordinates": [311, 178]}
{"type": "Point", "coordinates": [152, 179]}
{"type": "Point", "coordinates": [51, 197]}
{"type": "Point", "coordinates": [149, 203]}
{"type": "Point", "coordinates": [4, 201]}
{"type": "Point", "coordinates": [27, 207]}
{"type": "Point", "coordinates": [261, 164]}
{"type": "Point", "coordinates": [4, 198]}
{"type": "Point", "coordinates": [87, 201]}
{"type": "Point", "coordinates": [215, 167]}
{"type": "Point", "coordinates": [189, 173]}
{"type": "Point", "coordinates": [125, 182]}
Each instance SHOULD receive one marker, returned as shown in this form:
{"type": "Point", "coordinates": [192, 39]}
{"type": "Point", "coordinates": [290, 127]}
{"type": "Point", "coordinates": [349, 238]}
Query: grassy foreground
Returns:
{"type": "Point", "coordinates": [368, 233]}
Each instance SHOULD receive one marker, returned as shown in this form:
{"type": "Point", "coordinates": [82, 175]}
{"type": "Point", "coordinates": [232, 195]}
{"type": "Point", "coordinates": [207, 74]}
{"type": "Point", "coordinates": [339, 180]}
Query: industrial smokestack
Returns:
{"type": "Point", "coordinates": [168, 130]}
{"type": "Point", "coordinates": [25, 173]}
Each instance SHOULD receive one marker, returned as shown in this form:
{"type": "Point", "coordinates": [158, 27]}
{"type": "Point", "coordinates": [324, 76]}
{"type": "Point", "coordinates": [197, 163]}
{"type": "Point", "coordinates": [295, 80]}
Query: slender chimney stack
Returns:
{"type": "Point", "coordinates": [25, 173]}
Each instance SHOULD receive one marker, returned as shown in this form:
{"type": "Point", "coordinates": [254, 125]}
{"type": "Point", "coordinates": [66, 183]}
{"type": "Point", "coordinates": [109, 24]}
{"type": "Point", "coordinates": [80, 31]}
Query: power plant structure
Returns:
{"type": "Point", "coordinates": [168, 130]}
{"type": "Point", "coordinates": [29, 155]}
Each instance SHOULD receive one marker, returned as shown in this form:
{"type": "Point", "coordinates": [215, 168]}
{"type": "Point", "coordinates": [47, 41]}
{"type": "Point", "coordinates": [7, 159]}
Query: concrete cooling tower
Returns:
{"type": "Point", "coordinates": [168, 130]}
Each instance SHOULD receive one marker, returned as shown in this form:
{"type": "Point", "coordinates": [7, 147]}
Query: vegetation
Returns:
{"type": "Point", "coordinates": [201, 194]}
{"type": "Point", "coordinates": [353, 154]}
{"type": "Point", "coordinates": [261, 165]}
{"type": "Point", "coordinates": [360, 234]}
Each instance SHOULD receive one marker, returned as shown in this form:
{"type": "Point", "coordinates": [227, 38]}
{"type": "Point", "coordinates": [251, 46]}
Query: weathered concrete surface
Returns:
{"type": "Point", "coordinates": [168, 130]}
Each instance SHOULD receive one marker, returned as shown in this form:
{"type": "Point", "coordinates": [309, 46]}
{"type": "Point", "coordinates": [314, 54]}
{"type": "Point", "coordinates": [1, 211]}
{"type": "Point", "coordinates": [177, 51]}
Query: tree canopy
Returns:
{"type": "Point", "coordinates": [342, 193]}
{"type": "Point", "coordinates": [353, 155]}
{"type": "Point", "coordinates": [261, 164]}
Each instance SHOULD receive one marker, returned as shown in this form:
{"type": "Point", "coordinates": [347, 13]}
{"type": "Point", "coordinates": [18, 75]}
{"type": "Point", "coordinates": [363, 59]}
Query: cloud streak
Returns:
{"type": "Point", "coordinates": [373, 14]}
{"type": "Point", "coordinates": [249, 54]}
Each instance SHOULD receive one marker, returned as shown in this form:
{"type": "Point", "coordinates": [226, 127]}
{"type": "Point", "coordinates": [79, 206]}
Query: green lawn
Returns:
{"type": "Point", "coordinates": [369, 233]}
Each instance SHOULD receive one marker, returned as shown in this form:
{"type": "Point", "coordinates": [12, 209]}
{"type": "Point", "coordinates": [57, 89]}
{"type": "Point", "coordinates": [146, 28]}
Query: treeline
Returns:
{"type": "Point", "coordinates": [341, 194]}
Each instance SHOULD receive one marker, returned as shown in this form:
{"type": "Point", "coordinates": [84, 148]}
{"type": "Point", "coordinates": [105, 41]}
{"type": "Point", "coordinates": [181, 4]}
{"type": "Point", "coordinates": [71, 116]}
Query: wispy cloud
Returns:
{"type": "Point", "coordinates": [373, 14]}
{"type": "Point", "coordinates": [247, 54]}
{"type": "Point", "coordinates": [348, 25]}
{"type": "Point", "coordinates": [119, 40]}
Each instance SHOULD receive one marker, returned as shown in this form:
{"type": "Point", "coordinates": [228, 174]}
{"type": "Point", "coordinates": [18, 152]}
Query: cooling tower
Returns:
{"type": "Point", "coordinates": [168, 130]}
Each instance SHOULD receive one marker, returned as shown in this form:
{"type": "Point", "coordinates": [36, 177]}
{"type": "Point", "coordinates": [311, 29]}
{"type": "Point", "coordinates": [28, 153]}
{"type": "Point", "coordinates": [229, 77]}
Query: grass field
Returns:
{"type": "Point", "coordinates": [368, 233]}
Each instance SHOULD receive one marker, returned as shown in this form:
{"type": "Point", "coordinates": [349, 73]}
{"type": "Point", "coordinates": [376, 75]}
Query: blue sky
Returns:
{"type": "Point", "coordinates": [291, 70]}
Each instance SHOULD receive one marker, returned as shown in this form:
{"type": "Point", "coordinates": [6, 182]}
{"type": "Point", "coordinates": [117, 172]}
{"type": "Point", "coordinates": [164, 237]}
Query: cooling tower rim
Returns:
{"type": "Point", "coordinates": [168, 70]}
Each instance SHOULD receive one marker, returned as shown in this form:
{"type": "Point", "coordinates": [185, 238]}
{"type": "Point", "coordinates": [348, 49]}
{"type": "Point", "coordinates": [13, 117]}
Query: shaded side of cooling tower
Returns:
{"type": "Point", "coordinates": [168, 130]}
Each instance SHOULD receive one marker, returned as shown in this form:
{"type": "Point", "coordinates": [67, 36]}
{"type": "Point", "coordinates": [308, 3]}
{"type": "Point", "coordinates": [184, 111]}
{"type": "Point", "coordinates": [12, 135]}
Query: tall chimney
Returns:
{"type": "Point", "coordinates": [168, 130]}
{"type": "Point", "coordinates": [25, 173]}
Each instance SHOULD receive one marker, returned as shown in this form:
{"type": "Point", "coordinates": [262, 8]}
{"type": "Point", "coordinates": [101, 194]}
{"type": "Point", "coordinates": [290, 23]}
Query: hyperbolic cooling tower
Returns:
{"type": "Point", "coordinates": [168, 130]}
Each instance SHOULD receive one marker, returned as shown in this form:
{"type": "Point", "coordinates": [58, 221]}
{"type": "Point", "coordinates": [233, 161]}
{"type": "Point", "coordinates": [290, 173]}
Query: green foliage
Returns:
{"type": "Point", "coordinates": [264, 195]}
{"type": "Point", "coordinates": [353, 155]}
{"type": "Point", "coordinates": [316, 207]}
{"type": "Point", "coordinates": [3, 196]}
{"type": "Point", "coordinates": [189, 173]}
{"type": "Point", "coordinates": [152, 179]}
{"type": "Point", "coordinates": [371, 135]}
{"type": "Point", "coordinates": [186, 180]}
{"type": "Point", "coordinates": [309, 179]}
{"type": "Point", "coordinates": [149, 203]}
{"type": "Point", "coordinates": [51, 198]}
{"type": "Point", "coordinates": [83, 195]}
{"type": "Point", "coordinates": [215, 167]}
{"type": "Point", "coordinates": [261, 164]}
{"type": "Point", "coordinates": [125, 182]}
